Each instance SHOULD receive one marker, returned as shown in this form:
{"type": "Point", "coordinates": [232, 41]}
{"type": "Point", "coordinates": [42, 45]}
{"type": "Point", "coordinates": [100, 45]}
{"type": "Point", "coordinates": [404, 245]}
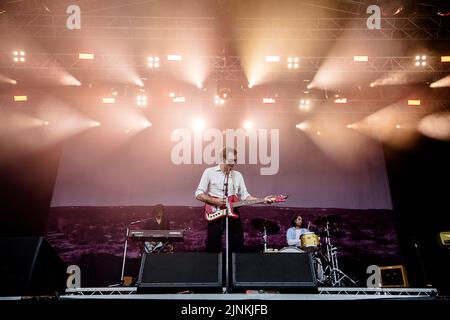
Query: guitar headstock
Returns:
{"type": "Point", "coordinates": [277, 198]}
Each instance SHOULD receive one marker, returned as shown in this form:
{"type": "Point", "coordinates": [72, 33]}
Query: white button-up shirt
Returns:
{"type": "Point", "coordinates": [212, 183]}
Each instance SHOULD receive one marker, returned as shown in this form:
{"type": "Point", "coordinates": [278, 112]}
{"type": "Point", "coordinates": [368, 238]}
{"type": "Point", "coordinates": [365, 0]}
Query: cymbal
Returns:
{"type": "Point", "coordinates": [261, 223]}
{"type": "Point", "coordinates": [333, 218]}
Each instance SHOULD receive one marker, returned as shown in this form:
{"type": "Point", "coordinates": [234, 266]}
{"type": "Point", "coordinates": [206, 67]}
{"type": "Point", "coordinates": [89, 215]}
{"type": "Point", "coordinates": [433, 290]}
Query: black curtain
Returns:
{"type": "Point", "coordinates": [419, 182]}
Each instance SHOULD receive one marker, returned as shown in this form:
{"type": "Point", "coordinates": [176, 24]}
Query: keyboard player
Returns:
{"type": "Point", "coordinates": [158, 222]}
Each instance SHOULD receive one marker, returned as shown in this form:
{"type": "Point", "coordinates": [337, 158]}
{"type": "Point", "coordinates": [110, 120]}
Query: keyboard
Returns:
{"type": "Point", "coordinates": [145, 235]}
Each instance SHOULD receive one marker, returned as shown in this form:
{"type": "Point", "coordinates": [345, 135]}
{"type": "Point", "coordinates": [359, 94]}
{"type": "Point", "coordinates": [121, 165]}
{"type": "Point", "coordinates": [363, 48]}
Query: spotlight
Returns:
{"type": "Point", "coordinates": [445, 59]}
{"type": "Point", "coordinates": [397, 126]}
{"type": "Point", "coordinates": [248, 125]}
{"type": "Point", "coordinates": [318, 133]}
{"type": "Point", "coordinates": [20, 98]}
{"type": "Point", "coordinates": [224, 92]}
{"type": "Point", "coordinates": [141, 100]}
{"type": "Point", "coordinates": [414, 102]}
{"type": "Point", "coordinates": [174, 57]}
{"type": "Point", "coordinates": [19, 56]}
{"type": "Point", "coordinates": [302, 126]}
{"type": "Point", "coordinates": [199, 124]}
{"type": "Point", "coordinates": [340, 101]}
{"type": "Point", "coordinates": [218, 101]}
{"type": "Point", "coordinates": [272, 58]}
{"type": "Point", "coordinates": [179, 99]}
{"type": "Point", "coordinates": [176, 98]}
{"type": "Point", "coordinates": [421, 60]}
{"type": "Point", "coordinates": [268, 100]}
{"type": "Point", "coordinates": [304, 105]}
{"type": "Point", "coordinates": [292, 62]}
{"type": "Point", "coordinates": [360, 58]}
{"type": "Point", "coordinates": [109, 100]}
{"type": "Point", "coordinates": [85, 56]}
{"type": "Point", "coordinates": [45, 123]}
{"type": "Point", "coordinates": [153, 62]}
{"type": "Point", "coordinates": [199, 85]}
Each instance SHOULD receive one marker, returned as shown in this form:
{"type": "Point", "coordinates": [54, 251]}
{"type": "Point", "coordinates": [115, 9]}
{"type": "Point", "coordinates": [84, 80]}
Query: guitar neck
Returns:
{"type": "Point", "coordinates": [247, 203]}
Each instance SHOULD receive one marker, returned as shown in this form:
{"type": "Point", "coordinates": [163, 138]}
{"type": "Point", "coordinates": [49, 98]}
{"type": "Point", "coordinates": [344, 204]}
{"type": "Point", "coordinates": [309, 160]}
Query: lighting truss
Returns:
{"type": "Point", "coordinates": [204, 28]}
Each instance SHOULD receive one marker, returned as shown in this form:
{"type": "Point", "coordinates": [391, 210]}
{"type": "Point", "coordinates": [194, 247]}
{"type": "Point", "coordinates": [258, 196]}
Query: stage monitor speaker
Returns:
{"type": "Point", "coordinates": [393, 276]}
{"type": "Point", "coordinates": [289, 272]}
{"type": "Point", "coordinates": [175, 272]}
{"type": "Point", "coordinates": [29, 266]}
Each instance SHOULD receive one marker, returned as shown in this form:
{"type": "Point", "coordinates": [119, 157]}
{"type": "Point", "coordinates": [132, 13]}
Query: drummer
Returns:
{"type": "Point", "coordinates": [294, 233]}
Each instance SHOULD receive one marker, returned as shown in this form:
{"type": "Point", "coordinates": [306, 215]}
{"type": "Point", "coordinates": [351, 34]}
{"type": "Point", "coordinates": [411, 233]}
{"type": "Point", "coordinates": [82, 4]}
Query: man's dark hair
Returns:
{"type": "Point", "coordinates": [295, 218]}
{"type": "Point", "coordinates": [226, 151]}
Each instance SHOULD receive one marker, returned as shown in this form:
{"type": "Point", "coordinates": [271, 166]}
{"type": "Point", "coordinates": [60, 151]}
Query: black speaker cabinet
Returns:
{"type": "Point", "coordinates": [175, 272]}
{"type": "Point", "coordinates": [290, 272]}
{"type": "Point", "coordinates": [29, 266]}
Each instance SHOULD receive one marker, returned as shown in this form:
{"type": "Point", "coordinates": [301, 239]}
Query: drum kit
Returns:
{"type": "Point", "coordinates": [310, 242]}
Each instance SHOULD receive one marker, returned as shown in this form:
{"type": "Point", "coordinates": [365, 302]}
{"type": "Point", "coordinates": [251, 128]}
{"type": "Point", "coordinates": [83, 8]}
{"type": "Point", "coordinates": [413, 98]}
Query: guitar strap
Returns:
{"type": "Point", "coordinates": [235, 192]}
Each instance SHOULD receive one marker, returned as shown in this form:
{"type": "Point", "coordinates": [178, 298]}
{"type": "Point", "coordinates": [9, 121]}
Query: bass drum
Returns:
{"type": "Point", "coordinates": [291, 250]}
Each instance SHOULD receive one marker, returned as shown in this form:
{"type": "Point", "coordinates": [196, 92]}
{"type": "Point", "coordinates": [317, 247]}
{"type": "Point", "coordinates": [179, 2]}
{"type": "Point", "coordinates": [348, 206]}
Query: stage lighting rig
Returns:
{"type": "Point", "coordinates": [293, 62]}
{"type": "Point", "coordinates": [153, 62]}
{"type": "Point", "coordinates": [19, 56]}
{"type": "Point", "coordinates": [421, 61]}
{"type": "Point", "coordinates": [223, 90]}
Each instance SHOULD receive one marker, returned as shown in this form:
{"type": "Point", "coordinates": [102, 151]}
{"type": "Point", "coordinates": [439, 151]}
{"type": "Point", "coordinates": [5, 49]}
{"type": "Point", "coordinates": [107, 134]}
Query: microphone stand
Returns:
{"type": "Point", "coordinates": [227, 210]}
{"type": "Point", "coordinates": [126, 247]}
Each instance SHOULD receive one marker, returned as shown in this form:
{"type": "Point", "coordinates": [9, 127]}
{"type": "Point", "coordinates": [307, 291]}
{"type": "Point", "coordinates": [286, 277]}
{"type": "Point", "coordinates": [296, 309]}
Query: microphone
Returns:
{"type": "Point", "coordinates": [138, 221]}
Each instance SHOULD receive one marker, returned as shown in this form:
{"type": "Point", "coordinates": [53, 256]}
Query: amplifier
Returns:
{"type": "Point", "coordinates": [393, 276]}
{"type": "Point", "coordinates": [444, 238]}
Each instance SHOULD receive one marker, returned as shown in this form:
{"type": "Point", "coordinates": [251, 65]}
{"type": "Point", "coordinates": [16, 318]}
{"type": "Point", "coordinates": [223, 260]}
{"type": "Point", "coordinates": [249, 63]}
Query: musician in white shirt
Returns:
{"type": "Point", "coordinates": [211, 190]}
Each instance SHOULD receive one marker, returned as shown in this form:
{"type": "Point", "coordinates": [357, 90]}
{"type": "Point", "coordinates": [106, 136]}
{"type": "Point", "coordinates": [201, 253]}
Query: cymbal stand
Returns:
{"type": "Point", "coordinates": [333, 274]}
{"type": "Point", "coordinates": [265, 239]}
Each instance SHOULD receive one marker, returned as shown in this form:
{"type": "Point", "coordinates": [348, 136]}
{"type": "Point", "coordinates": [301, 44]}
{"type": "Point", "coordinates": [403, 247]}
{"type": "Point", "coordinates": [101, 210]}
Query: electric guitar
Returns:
{"type": "Point", "coordinates": [214, 212]}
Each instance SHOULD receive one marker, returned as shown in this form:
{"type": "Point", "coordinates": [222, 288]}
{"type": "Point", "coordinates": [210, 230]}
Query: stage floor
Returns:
{"type": "Point", "coordinates": [323, 293]}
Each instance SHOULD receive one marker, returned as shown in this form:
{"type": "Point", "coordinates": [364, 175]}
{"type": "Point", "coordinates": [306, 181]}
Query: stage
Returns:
{"type": "Point", "coordinates": [224, 159]}
{"type": "Point", "coordinates": [328, 302]}
{"type": "Point", "coordinates": [324, 293]}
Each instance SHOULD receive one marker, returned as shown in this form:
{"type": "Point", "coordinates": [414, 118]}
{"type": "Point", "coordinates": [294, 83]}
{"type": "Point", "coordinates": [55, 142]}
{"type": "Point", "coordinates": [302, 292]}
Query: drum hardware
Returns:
{"type": "Point", "coordinates": [265, 226]}
{"type": "Point", "coordinates": [332, 274]}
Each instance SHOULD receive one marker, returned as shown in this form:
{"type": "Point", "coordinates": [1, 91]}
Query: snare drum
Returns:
{"type": "Point", "coordinates": [310, 242]}
{"type": "Point", "coordinates": [290, 250]}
